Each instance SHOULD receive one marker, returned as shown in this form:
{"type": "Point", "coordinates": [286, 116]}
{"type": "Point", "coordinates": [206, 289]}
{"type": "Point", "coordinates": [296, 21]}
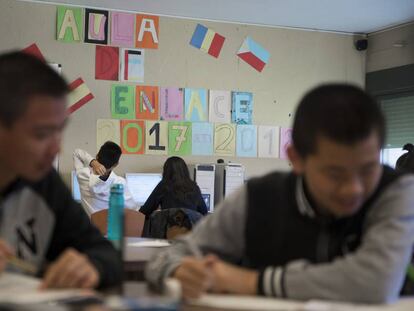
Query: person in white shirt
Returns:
{"type": "Point", "coordinates": [95, 177]}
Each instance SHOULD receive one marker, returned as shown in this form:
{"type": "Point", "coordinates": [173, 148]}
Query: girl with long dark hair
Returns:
{"type": "Point", "coordinates": [175, 190]}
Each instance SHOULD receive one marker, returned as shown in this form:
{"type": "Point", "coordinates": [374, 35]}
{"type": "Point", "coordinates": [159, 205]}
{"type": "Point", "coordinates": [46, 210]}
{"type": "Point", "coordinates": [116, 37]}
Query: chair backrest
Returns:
{"type": "Point", "coordinates": [133, 222]}
{"type": "Point", "coordinates": [171, 222]}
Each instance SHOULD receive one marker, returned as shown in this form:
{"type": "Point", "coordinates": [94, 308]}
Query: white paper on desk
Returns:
{"type": "Point", "coordinates": [150, 243]}
{"type": "Point", "coordinates": [22, 289]}
{"type": "Point", "coordinates": [246, 303]}
{"type": "Point", "coordinates": [404, 304]}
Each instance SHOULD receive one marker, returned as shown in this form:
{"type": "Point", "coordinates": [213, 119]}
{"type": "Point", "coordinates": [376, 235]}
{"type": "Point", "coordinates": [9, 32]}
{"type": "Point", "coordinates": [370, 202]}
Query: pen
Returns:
{"type": "Point", "coordinates": [22, 265]}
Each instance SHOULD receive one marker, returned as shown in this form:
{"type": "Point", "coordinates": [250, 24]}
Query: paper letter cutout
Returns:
{"type": "Point", "coordinates": [146, 99]}
{"type": "Point", "coordinates": [156, 138]}
{"type": "Point", "coordinates": [106, 63]}
{"type": "Point", "coordinates": [268, 141]}
{"type": "Point", "coordinates": [147, 31]}
{"type": "Point", "coordinates": [195, 104]}
{"type": "Point", "coordinates": [79, 95]}
{"type": "Point", "coordinates": [202, 143]}
{"type": "Point", "coordinates": [171, 104]}
{"type": "Point", "coordinates": [285, 141]}
{"type": "Point", "coordinates": [220, 106]}
{"type": "Point", "coordinates": [122, 101]}
{"type": "Point", "coordinates": [132, 136]}
{"type": "Point", "coordinates": [132, 65]}
{"type": "Point", "coordinates": [207, 40]}
{"type": "Point", "coordinates": [224, 139]}
{"type": "Point", "coordinates": [96, 26]}
{"type": "Point", "coordinates": [69, 24]}
{"type": "Point", "coordinates": [122, 29]}
{"type": "Point", "coordinates": [246, 144]}
{"type": "Point", "coordinates": [242, 108]}
{"type": "Point", "coordinates": [253, 54]}
{"type": "Point", "coordinates": [180, 138]}
{"type": "Point", "coordinates": [107, 130]}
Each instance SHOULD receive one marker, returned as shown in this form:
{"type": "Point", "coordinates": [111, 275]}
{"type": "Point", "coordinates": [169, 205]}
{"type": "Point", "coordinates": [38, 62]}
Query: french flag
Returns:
{"type": "Point", "coordinates": [207, 40]}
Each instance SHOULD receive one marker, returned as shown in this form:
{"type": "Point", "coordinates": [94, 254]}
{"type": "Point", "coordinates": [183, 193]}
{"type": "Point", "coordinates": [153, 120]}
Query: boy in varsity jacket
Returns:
{"type": "Point", "coordinates": [340, 226]}
{"type": "Point", "coordinates": [39, 221]}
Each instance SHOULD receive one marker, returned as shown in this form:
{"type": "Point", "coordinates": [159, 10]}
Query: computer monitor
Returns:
{"type": "Point", "coordinates": [141, 185]}
{"type": "Point", "coordinates": [75, 188]}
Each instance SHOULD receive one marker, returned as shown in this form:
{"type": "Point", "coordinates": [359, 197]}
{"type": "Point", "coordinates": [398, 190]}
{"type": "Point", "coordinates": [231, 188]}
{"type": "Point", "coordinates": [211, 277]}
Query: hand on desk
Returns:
{"type": "Point", "coordinates": [212, 274]}
{"type": "Point", "coordinates": [71, 269]}
{"type": "Point", "coordinates": [5, 253]}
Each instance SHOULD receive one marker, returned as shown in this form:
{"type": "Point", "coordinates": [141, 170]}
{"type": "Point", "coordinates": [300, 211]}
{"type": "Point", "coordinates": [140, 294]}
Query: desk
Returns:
{"type": "Point", "coordinates": [140, 289]}
{"type": "Point", "coordinates": [137, 252]}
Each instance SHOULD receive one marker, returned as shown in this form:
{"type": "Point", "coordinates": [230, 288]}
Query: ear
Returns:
{"type": "Point", "coordinates": [297, 161]}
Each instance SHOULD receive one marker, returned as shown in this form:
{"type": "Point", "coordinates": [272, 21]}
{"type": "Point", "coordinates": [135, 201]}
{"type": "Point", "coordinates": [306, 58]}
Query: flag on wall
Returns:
{"type": "Point", "coordinates": [34, 50]}
{"type": "Point", "coordinates": [253, 54]}
{"type": "Point", "coordinates": [79, 95]}
{"type": "Point", "coordinates": [207, 40]}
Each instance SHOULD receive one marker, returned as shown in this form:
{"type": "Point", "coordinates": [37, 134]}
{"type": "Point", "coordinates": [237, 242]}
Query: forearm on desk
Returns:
{"type": "Point", "coordinates": [221, 233]}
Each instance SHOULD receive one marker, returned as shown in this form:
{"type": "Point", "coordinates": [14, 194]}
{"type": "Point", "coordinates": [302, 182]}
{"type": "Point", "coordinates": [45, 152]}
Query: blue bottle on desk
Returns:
{"type": "Point", "coordinates": [116, 216]}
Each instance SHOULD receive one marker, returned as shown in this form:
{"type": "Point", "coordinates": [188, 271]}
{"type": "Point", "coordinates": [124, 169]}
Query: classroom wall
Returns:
{"type": "Point", "coordinates": [381, 52]}
{"type": "Point", "coordinates": [299, 60]}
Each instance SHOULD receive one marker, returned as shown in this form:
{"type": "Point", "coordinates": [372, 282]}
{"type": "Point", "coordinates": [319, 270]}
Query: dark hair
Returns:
{"type": "Point", "coordinates": [343, 113]}
{"type": "Point", "coordinates": [23, 76]}
{"type": "Point", "coordinates": [109, 154]}
{"type": "Point", "coordinates": [176, 177]}
{"type": "Point", "coordinates": [406, 161]}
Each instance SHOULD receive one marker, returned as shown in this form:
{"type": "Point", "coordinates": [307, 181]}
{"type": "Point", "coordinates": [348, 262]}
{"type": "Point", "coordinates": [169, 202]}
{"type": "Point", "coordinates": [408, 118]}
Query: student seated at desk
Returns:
{"type": "Point", "coordinates": [339, 227]}
{"type": "Point", "coordinates": [175, 190]}
{"type": "Point", "coordinates": [405, 162]}
{"type": "Point", "coordinates": [40, 223]}
{"type": "Point", "coordinates": [96, 176]}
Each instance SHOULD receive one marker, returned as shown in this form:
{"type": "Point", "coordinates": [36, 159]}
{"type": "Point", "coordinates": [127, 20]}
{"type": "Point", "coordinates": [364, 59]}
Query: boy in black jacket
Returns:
{"type": "Point", "coordinates": [340, 226]}
{"type": "Point", "coordinates": [39, 221]}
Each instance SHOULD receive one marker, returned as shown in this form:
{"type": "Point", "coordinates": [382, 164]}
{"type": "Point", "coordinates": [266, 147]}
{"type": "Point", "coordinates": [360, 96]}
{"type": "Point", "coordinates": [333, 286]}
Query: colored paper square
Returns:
{"type": "Point", "coordinates": [123, 101]}
{"type": "Point", "coordinates": [132, 65]}
{"type": "Point", "coordinates": [179, 138]}
{"type": "Point", "coordinates": [146, 99]}
{"type": "Point", "coordinates": [147, 31]}
{"type": "Point", "coordinates": [96, 26]}
{"type": "Point", "coordinates": [219, 106]}
{"type": "Point", "coordinates": [246, 142]}
{"type": "Point", "coordinates": [69, 24]}
{"type": "Point", "coordinates": [106, 63]}
{"type": "Point", "coordinates": [268, 141]}
{"type": "Point", "coordinates": [195, 105]}
{"type": "Point", "coordinates": [224, 139]}
{"type": "Point", "coordinates": [107, 130]}
{"type": "Point", "coordinates": [202, 143]}
{"type": "Point", "coordinates": [132, 136]}
{"type": "Point", "coordinates": [242, 108]}
{"type": "Point", "coordinates": [171, 103]}
{"type": "Point", "coordinates": [122, 29]}
{"type": "Point", "coordinates": [156, 138]}
{"type": "Point", "coordinates": [285, 141]}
